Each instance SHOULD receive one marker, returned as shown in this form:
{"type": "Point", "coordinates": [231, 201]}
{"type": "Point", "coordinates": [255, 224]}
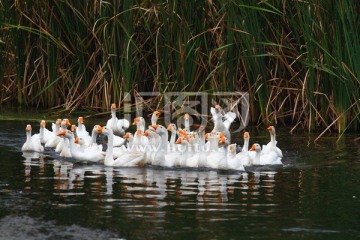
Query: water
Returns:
{"type": "Point", "coordinates": [316, 195]}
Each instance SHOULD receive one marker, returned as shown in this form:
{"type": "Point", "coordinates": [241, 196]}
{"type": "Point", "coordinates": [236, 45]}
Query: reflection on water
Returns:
{"type": "Point", "coordinates": [314, 196]}
{"type": "Point", "coordinates": [154, 187]}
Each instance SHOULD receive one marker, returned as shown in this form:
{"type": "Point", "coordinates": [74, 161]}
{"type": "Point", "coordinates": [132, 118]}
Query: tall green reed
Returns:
{"type": "Point", "coordinates": [299, 61]}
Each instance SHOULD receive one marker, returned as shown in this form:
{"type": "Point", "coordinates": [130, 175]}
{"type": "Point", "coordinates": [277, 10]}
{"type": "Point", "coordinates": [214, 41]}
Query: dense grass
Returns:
{"type": "Point", "coordinates": [299, 60]}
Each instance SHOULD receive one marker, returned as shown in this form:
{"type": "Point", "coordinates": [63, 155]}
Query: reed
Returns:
{"type": "Point", "coordinates": [299, 61]}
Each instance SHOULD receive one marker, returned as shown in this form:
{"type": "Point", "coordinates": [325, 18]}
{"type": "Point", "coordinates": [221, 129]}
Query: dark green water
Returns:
{"type": "Point", "coordinates": [316, 195]}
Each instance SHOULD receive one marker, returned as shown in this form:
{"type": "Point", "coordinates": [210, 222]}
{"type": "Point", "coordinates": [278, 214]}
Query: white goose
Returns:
{"type": "Point", "coordinates": [244, 154]}
{"type": "Point", "coordinates": [201, 133]}
{"type": "Point", "coordinates": [54, 139]}
{"type": "Point", "coordinates": [215, 154]}
{"type": "Point", "coordinates": [155, 116]}
{"type": "Point", "coordinates": [234, 162]}
{"type": "Point", "coordinates": [270, 158]}
{"type": "Point", "coordinates": [271, 146]}
{"type": "Point", "coordinates": [140, 123]}
{"type": "Point", "coordinates": [187, 122]}
{"type": "Point", "coordinates": [65, 150]}
{"type": "Point", "coordinates": [87, 156]}
{"type": "Point", "coordinates": [128, 159]}
{"type": "Point", "coordinates": [183, 150]}
{"type": "Point", "coordinates": [32, 144]}
{"type": "Point", "coordinates": [161, 156]}
{"type": "Point", "coordinates": [81, 131]}
{"type": "Point", "coordinates": [63, 126]}
{"type": "Point", "coordinates": [140, 126]}
{"type": "Point", "coordinates": [44, 134]}
{"type": "Point", "coordinates": [194, 155]}
{"type": "Point", "coordinates": [118, 126]}
{"type": "Point", "coordinates": [172, 128]}
{"type": "Point", "coordinates": [219, 125]}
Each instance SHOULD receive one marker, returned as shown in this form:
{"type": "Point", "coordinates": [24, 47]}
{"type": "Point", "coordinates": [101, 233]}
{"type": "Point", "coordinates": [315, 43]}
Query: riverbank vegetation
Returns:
{"type": "Point", "coordinates": [299, 60]}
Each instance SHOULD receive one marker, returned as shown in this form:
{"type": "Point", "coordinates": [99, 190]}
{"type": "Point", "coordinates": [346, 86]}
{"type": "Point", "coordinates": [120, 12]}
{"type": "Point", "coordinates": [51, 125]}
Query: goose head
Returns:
{"type": "Point", "coordinates": [256, 147]}
{"type": "Point", "coordinates": [28, 128]}
{"type": "Point", "coordinates": [171, 127]}
{"type": "Point", "coordinates": [80, 120]}
{"type": "Point", "coordinates": [43, 124]}
{"type": "Point", "coordinates": [100, 129]}
{"type": "Point", "coordinates": [128, 136]}
{"type": "Point", "coordinates": [182, 141]}
{"type": "Point", "coordinates": [232, 148]}
{"type": "Point", "coordinates": [223, 141]}
{"type": "Point", "coordinates": [159, 129]}
{"type": "Point", "coordinates": [155, 116]}
{"type": "Point", "coordinates": [271, 129]}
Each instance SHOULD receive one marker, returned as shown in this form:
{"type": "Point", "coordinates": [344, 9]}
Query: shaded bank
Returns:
{"type": "Point", "coordinates": [299, 61]}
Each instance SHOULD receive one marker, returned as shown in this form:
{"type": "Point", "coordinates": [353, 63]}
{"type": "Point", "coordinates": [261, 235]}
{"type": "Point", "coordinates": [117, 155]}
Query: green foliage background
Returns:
{"type": "Point", "coordinates": [299, 60]}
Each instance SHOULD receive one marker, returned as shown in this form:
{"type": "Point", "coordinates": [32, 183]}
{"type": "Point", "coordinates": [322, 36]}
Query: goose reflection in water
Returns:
{"type": "Point", "coordinates": [145, 188]}
{"type": "Point", "coordinates": [28, 163]}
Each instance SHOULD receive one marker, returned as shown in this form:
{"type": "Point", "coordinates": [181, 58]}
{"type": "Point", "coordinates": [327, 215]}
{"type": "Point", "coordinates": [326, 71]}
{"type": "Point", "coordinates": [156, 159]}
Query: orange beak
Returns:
{"type": "Point", "coordinates": [59, 121]}
{"type": "Point", "coordinates": [73, 128]}
{"type": "Point", "coordinates": [187, 116]}
{"type": "Point", "coordinates": [246, 135]}
{"type": "Point", "coordinates": [81, 120]}
{"type": "Point", "coordinates": [169, 128]}
{"type": "Point", "coordinates": [232, 148]}
{"type": "Point", "coordinates": [146, 133]}
{"type": "Point", "coordinates": [113, 106]}
{"type": "Point", "coordinates": [67, 122]}
{"type": "Point", "coordinates": [179, 141]}
{"type": "Point", "coordinates": [127, 135]}
{"type": "Point", "coordinates": [222, 140]}
{"type": "Point", "coordinates": [155, 126]}
{"type": "Point", "coordinates": [43, 123]}
{"type": "Point", "coordinates": [139, 132]}
{"type": "Point", "coordinates": [136, 121]}
{"type": "Point", "coordinates": [217, 106]}
{"type": "Point", "coordinates": [206, 136]}
{"type": "Point", "coordinates": [157, 113]}
{"type": "Point", "coordinates": [61, 133]}
{"type": "Point", "coordinates": [222, 135]}
{"type": "Point", "coordinates": [76, 140]}
{"type": "Point", "coordinates": [182, 133]}
{"type": "Point", "coordinates": [252, 147]}
{"type": "Point", "coordinates": [28, 127]}
{"type": "Point", "coordinates": [269, 128]}
{"type": "Point", "coordinates": [100, 129]}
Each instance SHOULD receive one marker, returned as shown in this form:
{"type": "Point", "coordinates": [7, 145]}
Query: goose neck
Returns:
{"type": "Point", "coordinates": [172, 137]}
{"type": "Point", "coordinates": [93, 137]}
{"type": "Point", "coordinates": [109, 151]}
{"type": "Point", "coordinates": [28, 136]}
{"type": "Point", "coordinates": [246, 145]}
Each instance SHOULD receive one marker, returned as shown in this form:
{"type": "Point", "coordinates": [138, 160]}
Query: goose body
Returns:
{"type": "Point", "coordinates": [129, 159]}
{"type": "Point", "coordinates": [32, 144]}
{"type": "Point", "coordinates": [234, 162]}
{"type": "Point", "coordinates": [87, 156]}
{"type": "Point", "coordinates": [44, 134]}
{"type": "Point", "coordinates": [54, 140]}
{"type": "Point", "coordinates": [118, 126]}
{"type": "Point", "coordinates": [270, 158]}
{"type": "Point", "coordinates": [244, 154]}
{"type": "Point", "coordinates": [271, 146]}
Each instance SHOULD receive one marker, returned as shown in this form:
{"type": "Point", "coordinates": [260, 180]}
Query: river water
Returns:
{"type": "Point", "coordinates": [315, 195]}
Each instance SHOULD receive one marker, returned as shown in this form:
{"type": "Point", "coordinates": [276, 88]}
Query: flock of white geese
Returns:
{"type": "Point", "coordinates": [152, 146]}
